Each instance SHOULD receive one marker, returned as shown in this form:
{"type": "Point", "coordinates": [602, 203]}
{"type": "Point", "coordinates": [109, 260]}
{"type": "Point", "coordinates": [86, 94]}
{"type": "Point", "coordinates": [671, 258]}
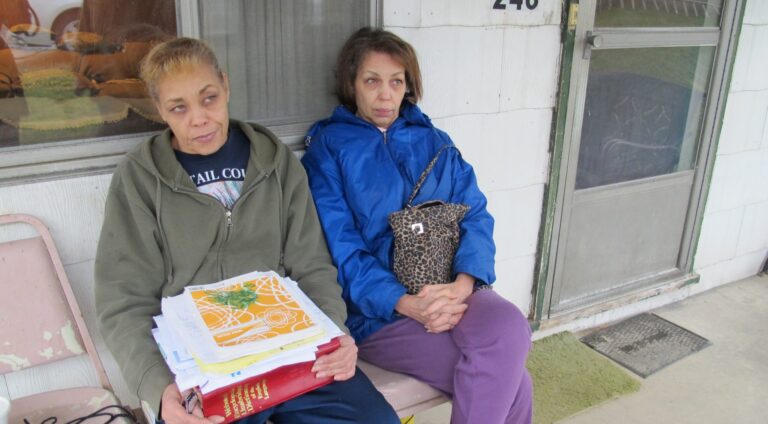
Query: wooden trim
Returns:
{"type": "Point", "coordinates": [546, 230]}
{"type": "Point", "coordinates": [557, 320]}
{"type": "Point", "coordinates": [66, 159]}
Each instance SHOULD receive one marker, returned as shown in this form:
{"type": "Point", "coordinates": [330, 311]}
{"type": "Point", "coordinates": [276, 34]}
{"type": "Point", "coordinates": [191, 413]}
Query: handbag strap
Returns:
{"type": "Point", "coordinates": [424, 175]}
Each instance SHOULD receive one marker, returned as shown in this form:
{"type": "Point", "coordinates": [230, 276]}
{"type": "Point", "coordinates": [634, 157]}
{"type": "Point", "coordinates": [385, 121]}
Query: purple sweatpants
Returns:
{"type": "Point", "coordinates": [480, 364]}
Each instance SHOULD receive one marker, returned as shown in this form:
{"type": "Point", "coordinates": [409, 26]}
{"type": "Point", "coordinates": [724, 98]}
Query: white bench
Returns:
{"type": "Point", "coordinates": [406, 394]}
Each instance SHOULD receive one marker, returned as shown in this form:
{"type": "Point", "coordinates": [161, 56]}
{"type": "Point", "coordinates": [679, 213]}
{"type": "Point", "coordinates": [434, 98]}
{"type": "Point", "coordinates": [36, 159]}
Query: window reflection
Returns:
{"type": "Point", "coordinates": [70, 69]}
{"type": "Point", "coordinates": [658, 13]}
{"type": "Point", "coordinates": [643, 113]}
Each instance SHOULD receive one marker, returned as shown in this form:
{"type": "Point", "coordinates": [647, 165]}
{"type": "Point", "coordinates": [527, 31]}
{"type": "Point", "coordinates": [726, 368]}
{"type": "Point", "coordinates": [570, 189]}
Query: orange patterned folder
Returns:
{"type": "Point", "coordinates": [256, 309]}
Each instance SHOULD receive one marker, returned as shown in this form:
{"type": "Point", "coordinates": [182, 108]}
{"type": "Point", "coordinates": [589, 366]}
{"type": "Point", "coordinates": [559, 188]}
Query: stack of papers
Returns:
{"type": "Point", "coordinates": [219, 334]}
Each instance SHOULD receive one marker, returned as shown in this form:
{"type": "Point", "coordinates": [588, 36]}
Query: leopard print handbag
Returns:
{"type": "Point", "coordinates": [426, 238]}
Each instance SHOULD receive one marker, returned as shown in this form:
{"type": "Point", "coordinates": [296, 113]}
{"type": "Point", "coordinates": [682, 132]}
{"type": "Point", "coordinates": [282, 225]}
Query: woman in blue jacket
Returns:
{"type": "Point", "coordinates": [362, 163]}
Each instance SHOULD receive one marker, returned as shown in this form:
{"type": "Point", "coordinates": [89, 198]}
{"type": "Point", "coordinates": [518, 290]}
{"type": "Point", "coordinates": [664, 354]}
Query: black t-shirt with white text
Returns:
{"type": "Point", "coordinates": [220, 174]}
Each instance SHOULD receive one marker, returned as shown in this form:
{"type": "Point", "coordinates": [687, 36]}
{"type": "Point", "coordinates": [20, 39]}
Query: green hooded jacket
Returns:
{"type": "Point", "coordinates": [161, 234]}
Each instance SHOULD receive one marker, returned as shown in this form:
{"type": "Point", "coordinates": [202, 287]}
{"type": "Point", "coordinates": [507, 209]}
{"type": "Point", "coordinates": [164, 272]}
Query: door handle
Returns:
{"type": "Point", "coordinates": [592, 41]}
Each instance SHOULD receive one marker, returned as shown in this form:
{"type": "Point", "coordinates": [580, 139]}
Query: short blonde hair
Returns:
{"type": "Point", "coordinates": [174, 56]}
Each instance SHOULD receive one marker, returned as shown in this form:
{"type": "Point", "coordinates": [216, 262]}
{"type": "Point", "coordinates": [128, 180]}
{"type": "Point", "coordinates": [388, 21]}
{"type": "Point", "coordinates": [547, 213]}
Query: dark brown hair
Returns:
{"type": "Point", "coordinates": [367, 40]}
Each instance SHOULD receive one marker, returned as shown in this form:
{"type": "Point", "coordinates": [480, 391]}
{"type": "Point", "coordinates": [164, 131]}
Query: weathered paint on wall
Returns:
{"type": "Point", "coordinates": [73, 209]}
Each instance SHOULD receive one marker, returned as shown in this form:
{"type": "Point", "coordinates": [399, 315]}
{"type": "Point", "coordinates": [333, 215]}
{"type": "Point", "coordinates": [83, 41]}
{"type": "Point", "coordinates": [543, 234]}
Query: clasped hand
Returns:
{"type": "Point", "coordinates": [438, 306]}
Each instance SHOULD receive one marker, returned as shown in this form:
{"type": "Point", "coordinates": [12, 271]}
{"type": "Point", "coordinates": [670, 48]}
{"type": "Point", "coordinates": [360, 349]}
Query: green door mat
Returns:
{"type": "Point", "coordinates": [568, 377]}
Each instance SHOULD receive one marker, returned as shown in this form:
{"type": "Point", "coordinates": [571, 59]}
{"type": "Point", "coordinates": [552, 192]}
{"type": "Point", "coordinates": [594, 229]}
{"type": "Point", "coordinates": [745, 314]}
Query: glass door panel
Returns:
{"type": "Point", "coordinates": [658, 13]}
{"type": "Point", "coordinates": [643, 113]}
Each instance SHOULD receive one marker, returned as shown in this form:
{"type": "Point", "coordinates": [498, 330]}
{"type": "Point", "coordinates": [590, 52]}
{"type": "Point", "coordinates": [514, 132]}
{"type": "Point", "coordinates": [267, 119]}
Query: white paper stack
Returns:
{"type": "Point", "coordinates": [218, 334]}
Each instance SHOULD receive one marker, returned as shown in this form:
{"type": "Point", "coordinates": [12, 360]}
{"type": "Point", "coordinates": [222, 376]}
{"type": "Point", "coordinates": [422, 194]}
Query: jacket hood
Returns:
{"type": "Point", "coordinates": [157, 157]}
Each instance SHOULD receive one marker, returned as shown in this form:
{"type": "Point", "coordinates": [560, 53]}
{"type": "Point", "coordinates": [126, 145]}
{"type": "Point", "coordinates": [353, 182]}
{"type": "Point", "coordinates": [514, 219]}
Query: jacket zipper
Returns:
{"type": "Point", "coordinates": [227, 214]}
{"type": "Point", "coordinates": [389, 152]}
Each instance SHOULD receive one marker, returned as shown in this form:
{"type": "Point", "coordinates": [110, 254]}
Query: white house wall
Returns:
{"type": "Point", "coordinates": [490, 81]}
{"type": "Point", "coordinates": [734, 236]}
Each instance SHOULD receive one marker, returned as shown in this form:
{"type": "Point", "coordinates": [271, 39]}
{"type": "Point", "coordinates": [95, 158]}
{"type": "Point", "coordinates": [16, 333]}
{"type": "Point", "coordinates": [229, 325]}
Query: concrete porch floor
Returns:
{"type": "Point", "coordinates": [726, 382]}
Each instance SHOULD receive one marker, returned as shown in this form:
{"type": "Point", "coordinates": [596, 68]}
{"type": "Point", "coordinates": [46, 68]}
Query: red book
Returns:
{"type": "Point", "coordinates": [264, 391]}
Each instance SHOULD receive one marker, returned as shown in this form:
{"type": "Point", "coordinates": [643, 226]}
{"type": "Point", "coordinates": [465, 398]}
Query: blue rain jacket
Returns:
{"type": "Point", "coordinates": [358, 175]}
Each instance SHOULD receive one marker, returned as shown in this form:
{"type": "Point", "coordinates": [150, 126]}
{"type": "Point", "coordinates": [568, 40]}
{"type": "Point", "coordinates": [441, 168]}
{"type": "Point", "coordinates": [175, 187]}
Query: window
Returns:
{"type": "Point", "coordinates": [70, 97]}
{"type": "Point", "coordinates": [280, 55]}
{"type": "Point", "coordinates": [70, 68]}
{"type": "Point", "coordinates": [645, 102]}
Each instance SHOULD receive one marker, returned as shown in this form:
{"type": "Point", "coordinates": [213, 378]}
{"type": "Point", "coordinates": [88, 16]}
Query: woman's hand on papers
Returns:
{"type": "Point", "coordinates": [173, 410]}
{"type": "Point", "coordinates": [340, 363]}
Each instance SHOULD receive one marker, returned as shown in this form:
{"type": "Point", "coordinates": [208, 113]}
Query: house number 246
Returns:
{"type": "Point", "coordinates": [530, 4]}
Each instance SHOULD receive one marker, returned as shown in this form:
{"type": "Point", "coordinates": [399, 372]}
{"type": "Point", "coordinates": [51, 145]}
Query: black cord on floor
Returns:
{"type": "Point", "coordinates": [101, 413]}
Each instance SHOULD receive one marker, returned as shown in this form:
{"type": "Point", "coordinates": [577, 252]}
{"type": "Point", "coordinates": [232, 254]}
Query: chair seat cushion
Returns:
{"type": "Point", "coordinates": [65, 405]}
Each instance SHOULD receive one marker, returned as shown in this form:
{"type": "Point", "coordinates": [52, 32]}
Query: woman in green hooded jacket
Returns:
{"type": "Point", "coordinates": [208, 199]}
